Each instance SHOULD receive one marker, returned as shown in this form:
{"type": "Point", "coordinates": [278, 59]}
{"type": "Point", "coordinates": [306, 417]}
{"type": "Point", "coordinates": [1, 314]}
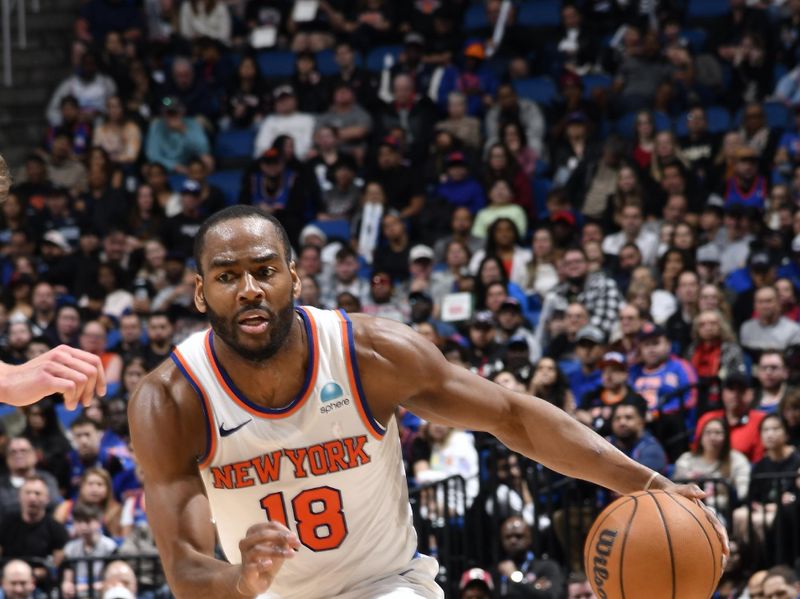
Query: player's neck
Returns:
{"type": "Point", "coordinates": [273, 382]}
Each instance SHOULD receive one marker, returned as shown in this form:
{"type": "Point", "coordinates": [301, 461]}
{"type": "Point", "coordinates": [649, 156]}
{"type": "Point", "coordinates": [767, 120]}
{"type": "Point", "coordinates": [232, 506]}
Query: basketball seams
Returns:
{"type": "Point", "coordinates": [708, 539]}
{"type": "Point", "coordinates": [669, 539]}
{"type": "Point", "coordinates": [596, 528]}
{"type": "Point", "coordinates": [624, 543]}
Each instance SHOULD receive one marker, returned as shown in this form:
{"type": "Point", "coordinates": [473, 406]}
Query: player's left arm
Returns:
{"type": "Point", "coordinates": [418, 377]}
{"type": "Point", "coordinates": [399, 366]}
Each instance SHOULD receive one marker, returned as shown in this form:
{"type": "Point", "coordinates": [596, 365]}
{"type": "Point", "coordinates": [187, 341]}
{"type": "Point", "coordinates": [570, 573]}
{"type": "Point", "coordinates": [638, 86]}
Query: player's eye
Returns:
{"type": "Point", "coordinates": [225, 277]}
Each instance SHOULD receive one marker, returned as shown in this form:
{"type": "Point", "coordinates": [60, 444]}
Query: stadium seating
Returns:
{"type": "Point", "coordinates": [234, 145]}
{"type": "Point", "coordinates": [540, 13]}
{"type": "Point", "coordinates": [594, 81]}
{"type": "Point", "coordinates": [276, 64]}
{"type": "Point", "coordinates": [706, 9]}
{"type": "Point", "coordinates": [230, 182]}
{"type": "Point", "coordinates": [539, 89]}
{"type": "Point", "coordinates": [376, 57]}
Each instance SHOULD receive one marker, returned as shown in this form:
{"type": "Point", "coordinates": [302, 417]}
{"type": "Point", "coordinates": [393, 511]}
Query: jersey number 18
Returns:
{"type": "Point", "coordinates": [318, 516]}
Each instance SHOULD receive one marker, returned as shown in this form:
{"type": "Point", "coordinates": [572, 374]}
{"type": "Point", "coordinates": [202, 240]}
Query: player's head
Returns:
{"type": "Point", "coordinates": [246, 281]}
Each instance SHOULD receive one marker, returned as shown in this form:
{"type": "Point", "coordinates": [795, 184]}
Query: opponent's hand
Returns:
{"type": "Point", "coordinates": [696, 494]}
{"type": "Point", "coordinates": [264, 549]}
{"type": "Point", "coordinates": [74, 373]}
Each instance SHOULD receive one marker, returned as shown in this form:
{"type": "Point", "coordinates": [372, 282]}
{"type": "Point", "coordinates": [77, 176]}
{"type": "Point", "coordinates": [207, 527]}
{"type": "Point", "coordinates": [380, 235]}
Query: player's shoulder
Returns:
{"type": "Point", "coordinates": [378, 333]}
{"type": "Point", "coordinates": [163, 388]}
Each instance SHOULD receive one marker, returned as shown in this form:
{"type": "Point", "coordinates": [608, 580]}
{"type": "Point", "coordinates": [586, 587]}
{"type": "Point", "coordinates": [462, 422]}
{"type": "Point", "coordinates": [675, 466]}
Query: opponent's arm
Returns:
{"type": "Point", "coordinates": [76, 374]}
{"type": "Point", "coordinates": [424, 382]}
{"type": "Point", "coordinates": [167, 431]}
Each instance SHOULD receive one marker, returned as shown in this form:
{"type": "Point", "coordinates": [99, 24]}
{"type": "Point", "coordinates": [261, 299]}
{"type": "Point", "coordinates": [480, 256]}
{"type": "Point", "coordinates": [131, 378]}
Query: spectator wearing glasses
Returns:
{"type": "Point", "coordinates": [772, 376]}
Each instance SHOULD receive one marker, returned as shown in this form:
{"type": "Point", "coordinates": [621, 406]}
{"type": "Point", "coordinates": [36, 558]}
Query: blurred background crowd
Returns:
{"type": "Point", "coordinates": [596, 202]}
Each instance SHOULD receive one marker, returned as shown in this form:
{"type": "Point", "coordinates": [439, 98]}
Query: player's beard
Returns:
{"type": "Point", "coordinates": [280, 325]}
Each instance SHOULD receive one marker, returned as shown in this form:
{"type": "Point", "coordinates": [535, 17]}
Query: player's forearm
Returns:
{"type": "Point", "coordinates": [551, 437]}
{"type": "Point", "coordinates": [203, 577]}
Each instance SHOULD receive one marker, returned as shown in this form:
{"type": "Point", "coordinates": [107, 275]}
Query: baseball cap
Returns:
{"type": "Point", "coordinates": [511, 303]}
{"type": "Point", "coordinates": [455, 159]}
{"type": "Point", "coordinates": [613, 358]}
{"type": "Point", "coordinates": [736, 379]}
{"type": "Point", "coordinates": [759, 260]}
{"type": "Point", "coordinates": [57, 239]}
{"type": "Point", "coordinates": [651, 331]}
{"type": "Point", "coordinates": [518, 342]}
{"type": "Point", "coordinates": [476, 576]}
{"type": "Point", "coordinates": [419, 296]}
{"type": "Point", "coordinates": [271, 155]}
{"type": "Point", "coordinates": [708, 253]}
{"type": "Point", "coordinates": [391, 142]}
{"type": "Point", "coordinates": [283, 90]}
{"type": "Point", "coordinates": [576, 117]}
{"type": "Point", "coordinates": [563, 216]}
{"type": "Point", "coordinates": [483, 318]}
{"type": "Point", "coordinates": [311, 231]}
{"type": "Point", "coordinates": [590, 333]}
{"type": "Point", "coordinates": [191, 186]}
{"type": "Point", "coordinates": [420, 252]}
{"type": "Point", "coordinates": [414, 39]}
{"type": "Point", "coordinates": [475, 50]}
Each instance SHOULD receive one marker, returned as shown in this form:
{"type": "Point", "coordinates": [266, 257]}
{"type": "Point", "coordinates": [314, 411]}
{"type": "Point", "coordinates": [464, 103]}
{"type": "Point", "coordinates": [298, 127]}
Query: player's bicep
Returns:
{"type": "Point", "coordinates": [163, 440]}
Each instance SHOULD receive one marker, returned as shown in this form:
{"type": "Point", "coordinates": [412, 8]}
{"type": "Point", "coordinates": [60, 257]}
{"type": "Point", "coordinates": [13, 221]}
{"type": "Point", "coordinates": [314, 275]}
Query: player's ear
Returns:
{"type": "Point", "coordinates": [295, 279]}
{"type": "Point", "coordinates": [199, 295]}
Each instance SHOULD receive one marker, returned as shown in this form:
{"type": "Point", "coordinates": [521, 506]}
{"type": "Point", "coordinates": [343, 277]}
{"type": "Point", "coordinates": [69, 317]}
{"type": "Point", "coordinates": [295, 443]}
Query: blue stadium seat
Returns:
{"type": "Point", "coordinates": [540, 13]}
{"type": "Point", "coordinates": [778, 115]}
{"type": "Point", "coordinates": [719, 121]}
{"type": "Point", "coordinates": [65, 416]}
{"type": "Point", "coordinates": [326, 62]}
{"type": "Point", "coordinates": [593, 81]}
{"type": "Point", "coordinates": [376, 56]}
{"type": "Point", "coordinates": [538, 89]}
{"type": "Point", "coordinates": [276, 64]}
{"type": "Point", "coordinates": [475, 17]}
{"type": "Point", "coordinates": [625, 125]}
{"type": "Point", "coordinates": [541, 187]}
{"type": "Point", "coordinates": [707, 9]}
{"type": "Point", "coordinates": [234, 143]}
{"type": "Point", "coordinates": [230, 182]}
{"type": "Point", "coordinates": [339, 229]}
{"type": "Point", "coordinates": [176, 181]}
{"type": "Point", "coordinates": [696, 38]}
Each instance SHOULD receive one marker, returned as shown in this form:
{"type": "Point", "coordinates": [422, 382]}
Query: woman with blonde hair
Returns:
{"type": "Point", "coordinates": [95, 489]}
{"type": "Point", "coordinates": [714, 352]}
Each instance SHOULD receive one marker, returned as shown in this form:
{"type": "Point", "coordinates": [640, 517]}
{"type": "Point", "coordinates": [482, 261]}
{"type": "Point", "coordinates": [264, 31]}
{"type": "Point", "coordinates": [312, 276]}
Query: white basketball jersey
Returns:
{"type": "Point", "coordinates": [322, 465]}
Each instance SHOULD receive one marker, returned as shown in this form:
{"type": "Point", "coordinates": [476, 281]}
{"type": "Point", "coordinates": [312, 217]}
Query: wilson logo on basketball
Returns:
{"type": "Point", "coordinates": [603, 547]}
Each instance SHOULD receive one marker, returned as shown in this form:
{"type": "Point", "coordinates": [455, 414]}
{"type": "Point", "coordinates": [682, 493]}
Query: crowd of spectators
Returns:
{"type": "Point", "coordinates": [596, 202]}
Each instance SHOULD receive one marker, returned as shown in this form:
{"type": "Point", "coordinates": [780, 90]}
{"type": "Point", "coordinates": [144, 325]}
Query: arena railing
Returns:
{"type": "Point", "coordinates": [6, 8]}
{"type": "Point", "coordinates": [441, 513]}
{"type": "Point", "coordinates": [772, 535]}
{"type": "Point", "coordinates": [147, 567]}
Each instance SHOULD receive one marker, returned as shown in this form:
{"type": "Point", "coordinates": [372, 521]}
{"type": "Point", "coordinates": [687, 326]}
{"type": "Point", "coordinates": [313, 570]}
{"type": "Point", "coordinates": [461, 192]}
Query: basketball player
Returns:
{"type": "Point", "coordinates": [74, 373]}
{"type": "Point", "coordinates": [276, 427]}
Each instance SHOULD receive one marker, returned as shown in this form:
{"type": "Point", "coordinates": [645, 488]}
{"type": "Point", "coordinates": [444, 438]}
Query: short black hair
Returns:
{"type": "Point", "coordinates": [84, 512]}
{"type": "Point", "coordinates": [83, 420]}
{"type": "Point", "coordinates": [233, 213]}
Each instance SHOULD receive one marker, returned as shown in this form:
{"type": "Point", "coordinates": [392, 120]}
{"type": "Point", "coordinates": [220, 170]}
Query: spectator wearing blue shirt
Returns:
{"type": "Point", "coordinates": [746, 187]}
{"type": "Point", "coordinates": [460, 188]}
{"type": "Point", "coordinates": [590, 345]}
{"type": "Point", "coordinates": [175, 139]}
{"type": "Point", "coordinates": [631, 438]}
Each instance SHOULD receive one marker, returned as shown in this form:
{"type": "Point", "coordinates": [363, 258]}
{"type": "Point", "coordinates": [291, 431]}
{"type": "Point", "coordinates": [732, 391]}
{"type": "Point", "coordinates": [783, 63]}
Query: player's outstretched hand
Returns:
{"type": "Point", "coordinates": [697, 494]}
{"type": "Point", "coordinates": [76, 374]}
{"type": "Point", "coordinates": [264, 549]}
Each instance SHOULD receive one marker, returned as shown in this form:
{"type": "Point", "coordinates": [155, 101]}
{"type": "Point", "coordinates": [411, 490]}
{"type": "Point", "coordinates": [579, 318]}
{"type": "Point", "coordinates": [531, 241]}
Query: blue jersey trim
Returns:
{"type": "Point", "coordinates": [312, 349]}
{"type": "Point", "coordinates": [362, 398]}
{"type": "Point", "coordinates": [202, 458]}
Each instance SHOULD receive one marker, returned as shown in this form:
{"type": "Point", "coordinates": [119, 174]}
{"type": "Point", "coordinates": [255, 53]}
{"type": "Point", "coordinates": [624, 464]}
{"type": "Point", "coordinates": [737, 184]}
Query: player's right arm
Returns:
{"type": "Point", "coordinates": [167, 431]}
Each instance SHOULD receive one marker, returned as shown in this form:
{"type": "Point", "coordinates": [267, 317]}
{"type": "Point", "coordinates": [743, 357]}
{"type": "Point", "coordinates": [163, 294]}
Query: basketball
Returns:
{"type": "Point", "coordinates": [653, 544]}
